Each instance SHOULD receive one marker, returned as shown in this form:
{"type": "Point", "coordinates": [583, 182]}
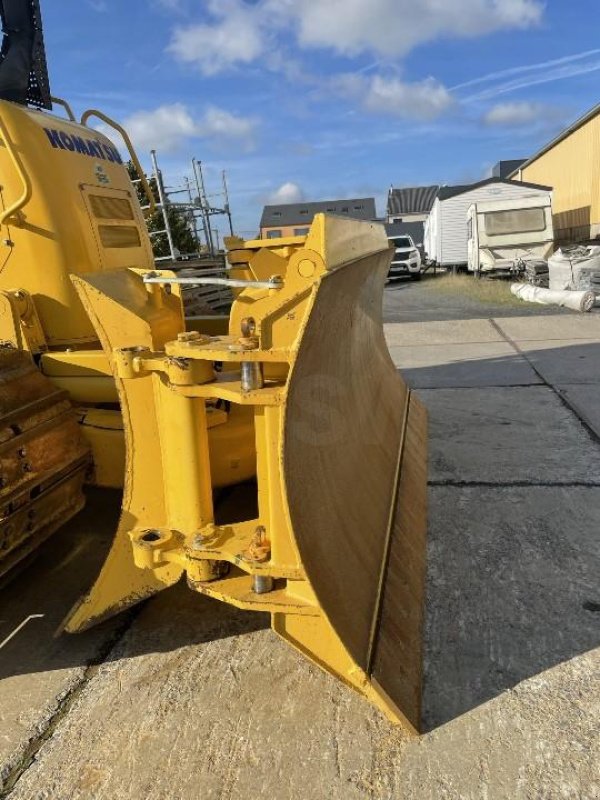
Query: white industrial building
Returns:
{"type": "Point", "coordinates": [446, 226]}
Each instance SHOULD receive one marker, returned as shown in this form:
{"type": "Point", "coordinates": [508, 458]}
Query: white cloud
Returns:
{"type": "Point", "coordinates": [168, 127]}
{"type": "Point", "coordinates": [164, 128]}
{"type": "Point", "coordinates": [217, 122]}
{"type": "Point", "coordinates": [523, 69]}
{"type": "Point", "coordinates": [561, 71]}
{"type": "Point", "coordinates": [421, 100]}
{"type": "Point", "coordinates": [234, 38]}
{"type": "Point", "coordinates": [521, 113]}
{"type": "Point", "coordinates": [238, 32]}
{"type": "Point", "coordinates": [392, 28]}
{"type": "Point", "coordinates": [287, 193]}
{"type": "Point", "coordinates": [424, 100]}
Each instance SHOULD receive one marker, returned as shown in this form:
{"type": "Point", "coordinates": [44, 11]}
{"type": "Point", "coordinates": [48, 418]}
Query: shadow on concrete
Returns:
{"type": "Point", "coordinates": [510, 591]}
{"type": "Point", "coordinates": [67, 564]}
{"type": "Point", "coordinates": [512, 570]}
{"type": "Point", "coordinates": [576, 364]}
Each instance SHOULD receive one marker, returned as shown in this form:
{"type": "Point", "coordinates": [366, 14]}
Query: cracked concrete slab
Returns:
{"type": "Point", "coordinates": [546, 328]}
{"type": "Point", "coordinates": [462, 365]}
{"type": "Point", "coordinates": [198, 700]}
{"type": "Point", "coordinates": [585, 400]}
{"type": "Point", "coordinates": [38, 670]}
{"type": "Point", "coordinates": [512, 588]}
{"type": "Point", "coordinates": [564, 360]}
{"type": "Point", "coordinates": [467, 331]}
{"type": "Point", "coordinates": [506, 435]}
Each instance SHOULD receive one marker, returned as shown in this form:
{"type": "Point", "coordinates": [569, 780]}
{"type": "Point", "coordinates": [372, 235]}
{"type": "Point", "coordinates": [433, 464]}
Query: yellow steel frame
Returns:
{"type": "Point", "coordinates": [165, 378]}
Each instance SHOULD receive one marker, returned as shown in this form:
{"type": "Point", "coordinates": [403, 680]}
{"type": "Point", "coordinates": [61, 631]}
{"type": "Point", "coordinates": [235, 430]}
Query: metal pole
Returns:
{"type": "Point", "coordinates": [218, 242]}
{"type": "Point", "coordinates": [200, 181]}
{"type": "Point", "coordinates": [227, 208]}
{"type": "Point", "coordinates": [202, 210]}
{"type": "Point", "coordinates": [207, 208]}
{"type": "Point", "coordinates": [192, 211]}
{"type": "Point", "coordinates": [163, 205]}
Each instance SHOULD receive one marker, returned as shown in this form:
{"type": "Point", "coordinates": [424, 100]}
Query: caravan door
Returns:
{"type": "Point", "coordinates": [472, 240]}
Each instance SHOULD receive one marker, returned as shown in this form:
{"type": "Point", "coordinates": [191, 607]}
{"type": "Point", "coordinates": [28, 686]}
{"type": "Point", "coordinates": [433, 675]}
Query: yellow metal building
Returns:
{"type": "Point", "coordinates": [570, 163]}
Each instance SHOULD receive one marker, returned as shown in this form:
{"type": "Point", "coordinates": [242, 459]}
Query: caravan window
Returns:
{"type": "Point", "coordinates": [519, 220]}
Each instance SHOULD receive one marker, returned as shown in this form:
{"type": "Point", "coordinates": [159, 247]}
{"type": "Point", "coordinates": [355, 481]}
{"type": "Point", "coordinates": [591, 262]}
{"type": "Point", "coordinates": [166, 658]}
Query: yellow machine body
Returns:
{"type": "Point", "coordinates": [336, 553]}
{"type": "Point", "coordinates": [301, 393]}
{"type": "Point", "coordinates": [80, 214]}
{"type": "Point", "coordinates": [67, 206]}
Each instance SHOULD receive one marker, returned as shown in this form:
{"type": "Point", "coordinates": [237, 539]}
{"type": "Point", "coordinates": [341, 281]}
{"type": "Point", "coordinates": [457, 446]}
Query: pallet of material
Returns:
{"type": "Point", "coordinates": [576, 267]}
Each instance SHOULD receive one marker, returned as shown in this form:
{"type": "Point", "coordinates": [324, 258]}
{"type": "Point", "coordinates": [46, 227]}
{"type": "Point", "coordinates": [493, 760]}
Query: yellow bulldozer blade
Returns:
{"type": "Point", "coordinates": [337, 551]}
{"type": "Point", "coordinates": [43, 459]}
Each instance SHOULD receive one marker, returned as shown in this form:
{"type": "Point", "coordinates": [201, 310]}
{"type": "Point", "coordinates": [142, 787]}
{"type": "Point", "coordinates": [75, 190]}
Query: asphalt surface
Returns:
{"type": "Point", "coordinates": [184, 697]}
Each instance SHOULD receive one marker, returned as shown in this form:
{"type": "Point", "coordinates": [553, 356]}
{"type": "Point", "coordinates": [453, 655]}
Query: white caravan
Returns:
{"type": "Point", "coordinates": [502, 235]}
{"type": "Point", "coordinates": [446, 228]}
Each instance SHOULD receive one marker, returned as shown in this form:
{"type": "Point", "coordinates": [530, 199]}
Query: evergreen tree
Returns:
{"type": "Point", "coordinates": [184, 238]}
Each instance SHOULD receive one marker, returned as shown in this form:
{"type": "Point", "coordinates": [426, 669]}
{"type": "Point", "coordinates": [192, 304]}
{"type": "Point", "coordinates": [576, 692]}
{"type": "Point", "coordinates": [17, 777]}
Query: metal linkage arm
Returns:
{"type": "Point", "coordinates": [273, 283]}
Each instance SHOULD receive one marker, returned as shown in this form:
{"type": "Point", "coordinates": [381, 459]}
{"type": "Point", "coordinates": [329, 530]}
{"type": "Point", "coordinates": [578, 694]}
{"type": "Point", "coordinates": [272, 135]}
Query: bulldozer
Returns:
{"type": "Point", "coordinates": [103, 381]}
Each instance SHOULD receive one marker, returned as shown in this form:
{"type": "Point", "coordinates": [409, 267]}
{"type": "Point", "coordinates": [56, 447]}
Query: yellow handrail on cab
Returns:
{"type": "Point", "coordinates": [60, 102]}
{"type": "Point", "coordinates": [145, 185]}
{"type": "Point", "coordinates": [21, 172]}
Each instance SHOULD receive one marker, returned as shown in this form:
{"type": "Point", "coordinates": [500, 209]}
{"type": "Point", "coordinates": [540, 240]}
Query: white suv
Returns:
{"type": "Point", "coordinates": [407, 259]}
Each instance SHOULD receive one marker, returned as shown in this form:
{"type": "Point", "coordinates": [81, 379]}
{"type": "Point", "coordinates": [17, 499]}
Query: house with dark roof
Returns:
{"type": "Point", "coordinates": [410, 203]}
{"type": "Point", "coordinates": [446, 225]}
{"type": "Point", "coordinates": [407, 210]}
{"type": "Point", "coordinates": [294, 219]}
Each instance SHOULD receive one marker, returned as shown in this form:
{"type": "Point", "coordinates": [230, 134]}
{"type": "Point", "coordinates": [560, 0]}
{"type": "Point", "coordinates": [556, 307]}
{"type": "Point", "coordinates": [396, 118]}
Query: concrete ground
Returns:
{"type": "Point", "coordinates": [186, 698]}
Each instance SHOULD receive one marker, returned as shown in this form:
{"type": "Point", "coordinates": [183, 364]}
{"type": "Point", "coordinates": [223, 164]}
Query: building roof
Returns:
{"type": "Point", "coordinates": [446, 192]}
{"type": "Point", "coordinates": [303, 213]}
{"type": "Point", "coordinates": [411, 200]}
{"type": "Point", "coordinates": [507, 167]}
{"type": "Point", "coordinates": [593, 112]}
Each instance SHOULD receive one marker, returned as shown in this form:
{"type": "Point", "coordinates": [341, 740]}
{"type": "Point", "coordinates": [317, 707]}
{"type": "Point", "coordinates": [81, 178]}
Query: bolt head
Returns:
{"type": "Point", "coordinates": [188, 336]}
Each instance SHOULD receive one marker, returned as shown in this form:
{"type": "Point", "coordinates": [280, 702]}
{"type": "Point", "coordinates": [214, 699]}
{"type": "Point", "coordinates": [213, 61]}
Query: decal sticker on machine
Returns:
{"type": "Point", "coordinates": [101, 175]}
{"type": "Point", "coordinates": [96, 148]}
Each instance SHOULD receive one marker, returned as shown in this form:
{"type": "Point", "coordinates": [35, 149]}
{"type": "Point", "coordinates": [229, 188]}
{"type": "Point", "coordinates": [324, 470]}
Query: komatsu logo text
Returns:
{"type": "Point", "coordinates": [88, 147]}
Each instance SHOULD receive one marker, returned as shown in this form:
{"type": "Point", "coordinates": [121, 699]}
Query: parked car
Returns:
{"type": "Point", "coordinates": [407, 258]}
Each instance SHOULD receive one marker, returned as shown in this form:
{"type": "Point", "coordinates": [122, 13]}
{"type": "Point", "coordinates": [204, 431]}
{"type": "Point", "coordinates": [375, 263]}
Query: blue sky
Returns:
{"type": "Point", "coordinates": [319, 99]}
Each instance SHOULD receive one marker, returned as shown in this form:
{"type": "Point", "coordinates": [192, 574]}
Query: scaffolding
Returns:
{"type": "Point", "coordinates": [196, 206]}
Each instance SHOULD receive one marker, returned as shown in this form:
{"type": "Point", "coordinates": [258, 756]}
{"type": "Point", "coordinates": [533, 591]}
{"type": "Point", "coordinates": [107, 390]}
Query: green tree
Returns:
{"type": "Point", "coordinates": [184, 238]}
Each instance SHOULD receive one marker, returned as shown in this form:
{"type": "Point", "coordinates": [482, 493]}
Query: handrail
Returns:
{"type": "Point", "coordinates": [21, 172]}
{"type": "Point", "coordinates": [92, 112]}
{"type": "Point", "coordinates": [60, 102]}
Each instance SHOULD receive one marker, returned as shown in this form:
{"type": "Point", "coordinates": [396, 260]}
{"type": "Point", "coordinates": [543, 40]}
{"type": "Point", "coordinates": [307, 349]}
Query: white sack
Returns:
{"type": "Point", "coordinates": [578, 301]}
